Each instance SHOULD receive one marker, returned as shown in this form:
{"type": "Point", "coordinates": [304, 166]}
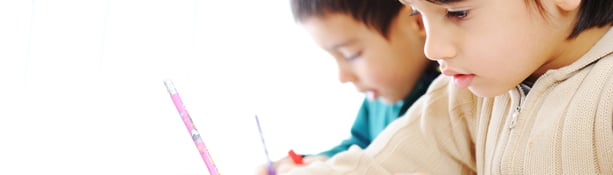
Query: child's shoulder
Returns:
{"type": "Point", "coordinates": [598, 61]}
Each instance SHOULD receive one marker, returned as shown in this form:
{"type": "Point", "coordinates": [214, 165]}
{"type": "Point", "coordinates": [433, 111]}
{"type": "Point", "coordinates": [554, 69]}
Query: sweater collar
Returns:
{"type": "Point", "coordinates": [601, 49]}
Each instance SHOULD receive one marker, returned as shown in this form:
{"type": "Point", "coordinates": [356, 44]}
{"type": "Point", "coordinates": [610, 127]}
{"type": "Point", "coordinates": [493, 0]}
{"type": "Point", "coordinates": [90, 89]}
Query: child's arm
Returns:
{"type": "Point", "coordinates": [432, 137]}
{"type": "Point", "coordinates": [360, 135]}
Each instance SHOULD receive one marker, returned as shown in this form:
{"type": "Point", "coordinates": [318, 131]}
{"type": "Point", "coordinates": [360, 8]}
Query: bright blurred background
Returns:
{"type": "Point", "coordinates": [81, 86]}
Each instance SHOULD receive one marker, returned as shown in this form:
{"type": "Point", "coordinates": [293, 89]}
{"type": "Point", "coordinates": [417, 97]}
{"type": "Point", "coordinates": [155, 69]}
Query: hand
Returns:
{"type": "Point", "coordinates": [263, 169]}
{"type": "Point", "coordinates": [286, 164]}
{"type": "Point", "coordinates": [289, 165]}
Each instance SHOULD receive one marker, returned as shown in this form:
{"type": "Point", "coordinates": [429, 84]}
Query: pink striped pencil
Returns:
{"type": "Point", "coordinates": [191, 128]}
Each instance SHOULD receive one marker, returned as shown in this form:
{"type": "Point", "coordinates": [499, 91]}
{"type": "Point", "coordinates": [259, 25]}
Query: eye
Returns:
{"type": "Point", "coordinates": [459, 14]}
{"type": "Point", "coordinates": [354, 56]}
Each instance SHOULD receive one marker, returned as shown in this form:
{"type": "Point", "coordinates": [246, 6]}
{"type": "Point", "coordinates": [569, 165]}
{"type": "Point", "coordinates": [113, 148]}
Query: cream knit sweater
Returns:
{"type": "Point", "coordinates": [563, 126]}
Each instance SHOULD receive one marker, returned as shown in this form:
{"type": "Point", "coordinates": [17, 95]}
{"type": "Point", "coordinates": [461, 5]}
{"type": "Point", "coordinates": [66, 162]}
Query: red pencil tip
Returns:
{"type": "Point", "coordinates": [295, 157]}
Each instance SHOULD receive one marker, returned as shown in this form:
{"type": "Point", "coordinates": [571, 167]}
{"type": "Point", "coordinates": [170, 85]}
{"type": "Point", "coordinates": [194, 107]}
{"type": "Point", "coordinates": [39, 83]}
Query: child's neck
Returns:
{"type": "Point", "coordinates": [571, 50]}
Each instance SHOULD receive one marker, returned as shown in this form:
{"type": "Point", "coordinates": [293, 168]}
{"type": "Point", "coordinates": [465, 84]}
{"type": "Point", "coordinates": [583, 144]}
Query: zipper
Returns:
{"type": "Point", "coordinates": [512, 124]}
{"type": "Point", "coordinates": [517, 108]}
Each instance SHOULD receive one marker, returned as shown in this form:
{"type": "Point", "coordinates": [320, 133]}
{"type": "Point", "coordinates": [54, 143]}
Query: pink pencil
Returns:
{"type": "Point", "coordinates": [187, 120]}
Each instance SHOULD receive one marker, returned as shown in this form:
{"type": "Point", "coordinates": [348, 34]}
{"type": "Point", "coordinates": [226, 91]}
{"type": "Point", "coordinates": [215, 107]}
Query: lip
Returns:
{"type": "Point", "coordinates": [452, 73]}
{"type": "Point", "coordinates": [460, 79]}
{"type": "Point", "coordinates": [370, 93]}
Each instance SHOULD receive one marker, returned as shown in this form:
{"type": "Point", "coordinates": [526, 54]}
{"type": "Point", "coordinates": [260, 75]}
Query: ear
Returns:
{"type": "Point", "coordinates": [568, 5]}
{"type": "Point", "coordinates": [420, 24]}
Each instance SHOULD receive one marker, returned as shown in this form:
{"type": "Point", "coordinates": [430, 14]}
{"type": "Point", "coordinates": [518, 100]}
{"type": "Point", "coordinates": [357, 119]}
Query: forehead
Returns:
{"type": "Point", "coordinates": [334, 29]}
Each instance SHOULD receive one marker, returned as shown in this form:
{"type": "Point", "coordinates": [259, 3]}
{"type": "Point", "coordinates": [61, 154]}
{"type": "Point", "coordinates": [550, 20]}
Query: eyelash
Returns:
{"type": "Point", "coordinates": [354, 56]}
{"type": "Point", "coordinates": [459, 14]}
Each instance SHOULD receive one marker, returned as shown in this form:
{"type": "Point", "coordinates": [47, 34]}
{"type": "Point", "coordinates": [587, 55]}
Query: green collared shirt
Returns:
{"type": "Point", "coordinates": [375, 115]}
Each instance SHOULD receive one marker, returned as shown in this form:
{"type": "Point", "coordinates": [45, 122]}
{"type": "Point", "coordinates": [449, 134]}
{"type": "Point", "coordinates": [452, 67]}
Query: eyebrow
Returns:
{"type": "Point", "coordinates": [344, 43]}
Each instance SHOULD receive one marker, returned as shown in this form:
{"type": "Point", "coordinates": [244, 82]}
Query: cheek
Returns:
{"type": "Point", "coordinates": [494, 51]}
{"type": "Point", "coordinates": [503, 62]}
{"type": "Point", "coordinates": [370, 72]}
{"type": "Point", "coordinates": [374, 60]}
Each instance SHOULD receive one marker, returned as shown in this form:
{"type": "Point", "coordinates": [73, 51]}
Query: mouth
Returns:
{"type": "Point", "coordinates": [461, 80]}
{"type": "Point", "coordinates": [371, 94]}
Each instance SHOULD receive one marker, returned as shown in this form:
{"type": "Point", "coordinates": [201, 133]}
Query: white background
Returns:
{"type": "Point", "coordinates": [81, 86]}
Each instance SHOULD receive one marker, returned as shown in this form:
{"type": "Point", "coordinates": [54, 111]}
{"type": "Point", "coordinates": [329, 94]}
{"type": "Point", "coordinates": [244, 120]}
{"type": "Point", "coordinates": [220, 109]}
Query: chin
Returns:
{"type": "Point", "coordinates": [486, 92]}
{"type": "Point", "coordinates": [388, 100]}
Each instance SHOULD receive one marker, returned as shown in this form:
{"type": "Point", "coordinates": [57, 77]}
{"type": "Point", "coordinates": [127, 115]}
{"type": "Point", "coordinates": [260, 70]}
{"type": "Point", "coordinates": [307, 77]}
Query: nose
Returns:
{"type": "Point", "coordinates": [345, 75]}
{"type": "Point", "coordinates": [439, 43]}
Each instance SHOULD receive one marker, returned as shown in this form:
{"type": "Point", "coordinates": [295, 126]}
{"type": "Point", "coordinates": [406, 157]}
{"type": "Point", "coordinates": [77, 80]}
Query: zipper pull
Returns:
{"type": "Point", "coordinates": [514, 119]}
{"type": "Point", "coordinates": [517, 108]}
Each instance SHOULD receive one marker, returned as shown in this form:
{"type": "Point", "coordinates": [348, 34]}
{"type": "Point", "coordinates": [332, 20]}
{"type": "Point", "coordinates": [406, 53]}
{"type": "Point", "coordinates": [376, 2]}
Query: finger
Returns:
{"type": "Point", "coordinates": [262, 170]}
{"type": "Point", "coordinates": [311, 159]}
{"type": "Point", "coordinates": [284, 168]}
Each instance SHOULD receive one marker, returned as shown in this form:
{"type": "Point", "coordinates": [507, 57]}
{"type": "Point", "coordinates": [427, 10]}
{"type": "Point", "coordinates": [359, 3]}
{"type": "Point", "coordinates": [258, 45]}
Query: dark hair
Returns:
{"type": "Point", "coordinates": [593, 13]}
{"type": "Point", "coordinates": [376, 14]}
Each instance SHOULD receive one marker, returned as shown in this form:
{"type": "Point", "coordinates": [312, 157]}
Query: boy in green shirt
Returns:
{"type": "Point", "coordinates": [378, 47]}
{"type": "Point", "coordinates": [375, 115]}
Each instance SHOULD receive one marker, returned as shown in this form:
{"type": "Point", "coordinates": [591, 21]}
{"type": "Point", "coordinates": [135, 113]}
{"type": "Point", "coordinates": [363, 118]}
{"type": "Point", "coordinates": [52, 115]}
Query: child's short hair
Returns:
{"type": "Point", "coordinates": [376, 14]}
{"type": "Point", "coordinates": [592, 13]}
